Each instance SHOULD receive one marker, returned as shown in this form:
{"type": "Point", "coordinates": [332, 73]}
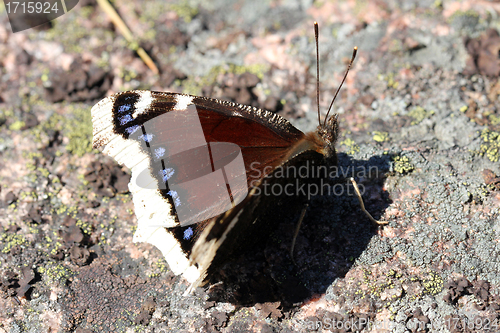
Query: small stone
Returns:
{"type": "Point", "coordinates": [10, 198]}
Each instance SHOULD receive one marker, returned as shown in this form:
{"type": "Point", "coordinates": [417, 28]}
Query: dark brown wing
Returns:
{"type": "Point", "coordinates": [264, 137]}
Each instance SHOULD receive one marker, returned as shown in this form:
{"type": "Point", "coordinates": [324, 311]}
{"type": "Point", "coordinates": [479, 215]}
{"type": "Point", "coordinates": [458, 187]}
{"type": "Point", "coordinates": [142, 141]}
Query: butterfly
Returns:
{"type": "Point", "coordinates": [177, 144]}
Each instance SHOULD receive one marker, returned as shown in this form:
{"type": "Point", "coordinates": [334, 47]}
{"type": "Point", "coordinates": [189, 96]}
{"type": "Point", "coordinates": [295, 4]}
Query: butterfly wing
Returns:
{"type": "Point", "coordinates": [132, 128]}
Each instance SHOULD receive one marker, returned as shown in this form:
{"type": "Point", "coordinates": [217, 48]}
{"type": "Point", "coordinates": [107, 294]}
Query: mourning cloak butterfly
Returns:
{"type": "Point", "coordinates": [199, 167]}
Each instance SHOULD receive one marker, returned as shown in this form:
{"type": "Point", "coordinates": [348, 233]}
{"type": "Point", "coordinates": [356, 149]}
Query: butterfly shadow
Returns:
{"type": "Point", "coordinates": [334, 232]}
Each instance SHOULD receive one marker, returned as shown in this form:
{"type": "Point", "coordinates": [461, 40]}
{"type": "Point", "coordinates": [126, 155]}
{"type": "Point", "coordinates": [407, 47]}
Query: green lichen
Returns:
{"type": "Point", "coordinates": [184, 10]}
{"type": "Point", "coordinates": [86, 11]}
{"type": "Point", "coordinates": [396, 45]}
{"type": "Point", "coordinates": [60, 209]}
{"type": "Point", "coordinates": [491, 145]}
{"type": "Point", "coordinates": [438, 4]}
{"type": "Point", "coordinates": [9, 240]}
{"type": "Point", "coordinates": [69, 30]}
{"type": "Point", "coordinates": [418, 114]}
{"type": "Point", "coordinates": [389, 78]}
{"type": "Point", "coordinates": [23, 195]}
{"type": "Point", "coordinates": [6, 113]}
{"type": "Point", "coordinates": [79, 131]}
{"type": "Point", "coordinates": [494, 120]}
{"type": "Point", "coordinates": [55, 122]}
{"type": "Point", "coordinates": [351, 144]}
{"type": "Point", "coordinates": [433, 284]}
{"type": "Point", "coordinates": [36, 171]}
{"type": "Point", "coordinates": [30, 155]}
{"type": "Point", "coordinates": [127, 74]}
{"type": "Point", "coordinates": [161, 267]}
{"type": "Point", "coordinates": [17, 125]}
{"type": "Point", "coordinates": [394, 274]}
{"type": "Point", "coordinates": [86, 227]}
{"type": "Point", "coordinates": [464, 18]}
{"type": "Point", "coordinates": [380, 136]}
{"type": "Point", "coordinates": [32, 159]}
{"type": "Point", "coordinates": [402, 164]}
{"type": "Point", "coordinates": [55, 273]}
{"type": "Point", "coordinates": [45, 172]}
{"type": "Point", "coordinates": [56, 246]}
{"type": "Point", "coordinates": [194, 85]}
{"type": "Point", "coordinates": [391, 273]}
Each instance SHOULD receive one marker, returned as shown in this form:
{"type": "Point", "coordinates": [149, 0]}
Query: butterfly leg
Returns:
{"type": "Point", "coordinates": [297, 230]}
{"type": "Point", "coordinates": [361, 203]}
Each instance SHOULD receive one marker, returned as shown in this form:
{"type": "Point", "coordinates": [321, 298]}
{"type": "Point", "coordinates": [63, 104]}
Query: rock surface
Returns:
{"type": "Point", "coordinates": [420, 110]}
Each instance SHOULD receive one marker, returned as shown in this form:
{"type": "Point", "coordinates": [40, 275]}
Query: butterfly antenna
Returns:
{"type": "Point", "coordinates": [354, 52]}
{"type": "Point", "coordinates": [317, 68]}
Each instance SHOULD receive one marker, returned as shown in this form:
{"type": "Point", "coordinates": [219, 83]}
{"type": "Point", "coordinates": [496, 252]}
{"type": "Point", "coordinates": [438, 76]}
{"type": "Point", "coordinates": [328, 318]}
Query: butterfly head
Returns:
{"type": "Point", "coordinates": [328, 132]}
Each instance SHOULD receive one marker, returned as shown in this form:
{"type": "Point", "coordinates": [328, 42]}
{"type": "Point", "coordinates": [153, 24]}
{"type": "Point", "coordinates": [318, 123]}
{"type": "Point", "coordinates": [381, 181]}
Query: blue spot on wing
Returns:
{"type": "Point", "coordinates": [175, 196]}
{"type": "Point", "coordinates": [132, 129]}
{"type": "Point", "coordinates": [125, 119]}
{"type": "Point", "coordinates": [159, 152]}
{"type": "Point", "coordinates": [146, 137]}
{"type": "Point", "coordinates": [124, 108]}
{"type": "Point", "coordinates": [188, 233]}
{"type": "Point", "coordinates": [167, 174]}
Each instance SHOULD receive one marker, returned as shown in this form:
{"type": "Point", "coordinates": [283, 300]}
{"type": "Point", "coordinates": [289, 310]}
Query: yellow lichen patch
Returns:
{"type": "Point", "coordinates": [31, 157]}
{"type": "Point", "coordinates": [79, 131]}
{"type": "Point", "coordinates": [491, 145]}
{"type": "Point", "coordinates": [389, 78]}
{"type": "Point", "coordinates": [54, 123]}
{"type": "Point", "coordinates": [10, 240]}
{"type": "Point", "coordinates": [419, 113]}
{"type": "Point", "coordinates": [380, 136]}
{"type": "Point", "coordinates": [433, 285]}
{"type": "Point", "coordinates": [402, 164]}
{"type": "Point", "coordinates": [53, 273]}
{"type": "Point", "coordinates": [161, 267]}
{"type": "Point", "coordinates": [351, 144]}
{"type": "Point", "coordinates": [85, 226]}
{"type": "Point", "coordinates": [17, 125]}
{"type": "Point", "coordinates": [128, 74]}
{"type": "Point", "coordinates": [494, 120]}
{"type": "Point", "coordinates": [77, 127]}
{"type": "Point", "coordinates": [184, 10]}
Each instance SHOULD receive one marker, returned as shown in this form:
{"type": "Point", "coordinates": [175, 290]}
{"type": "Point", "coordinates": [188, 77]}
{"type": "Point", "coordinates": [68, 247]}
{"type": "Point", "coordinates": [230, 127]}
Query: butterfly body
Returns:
{"type": "Point", "coordinates": [133, 128]}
